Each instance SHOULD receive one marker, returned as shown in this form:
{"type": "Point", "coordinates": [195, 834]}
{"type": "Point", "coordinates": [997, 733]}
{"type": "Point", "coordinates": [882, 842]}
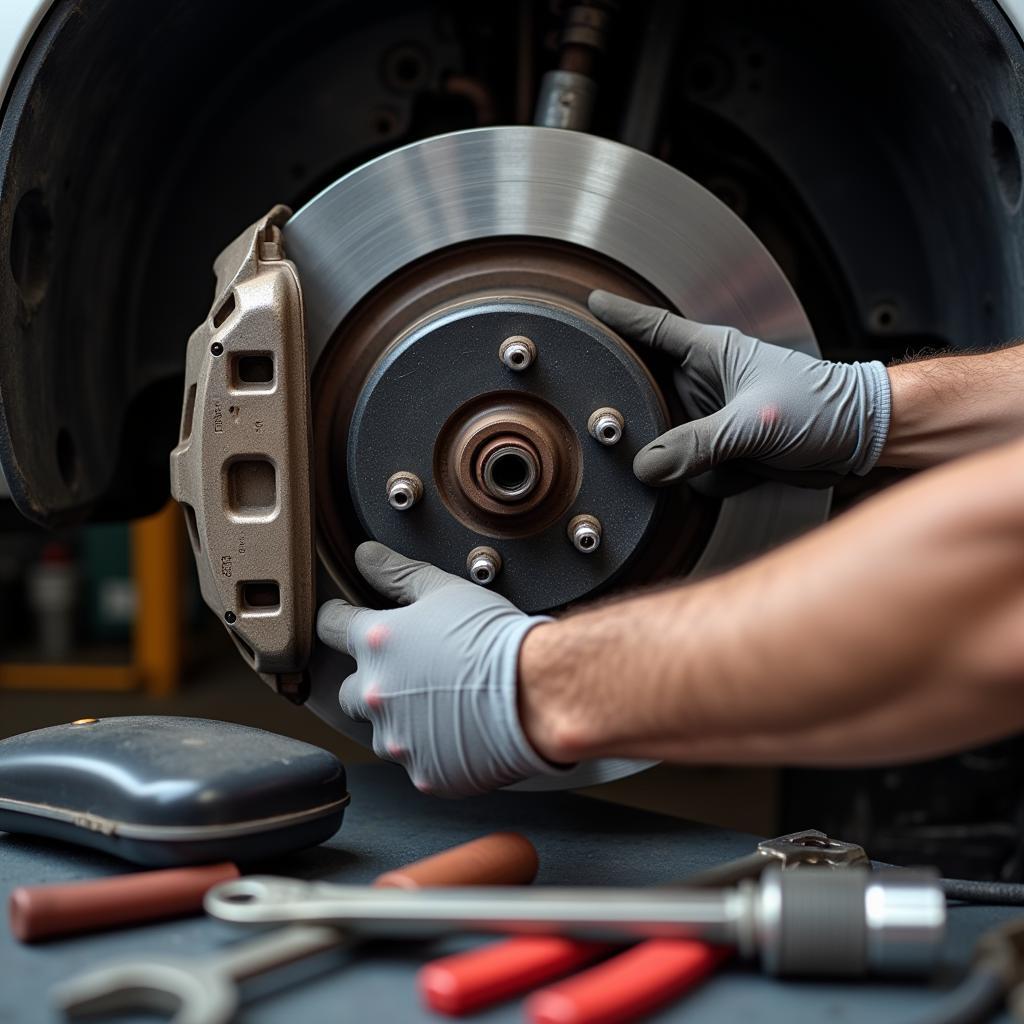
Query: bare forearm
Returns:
{"type": "Point", "coordinates": [895, 632]}
{"type": "Point", "coordinates": [954, 405]}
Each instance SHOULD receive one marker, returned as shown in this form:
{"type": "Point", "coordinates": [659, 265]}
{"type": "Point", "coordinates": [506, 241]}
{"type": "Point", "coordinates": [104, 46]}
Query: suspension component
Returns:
{"type": "Point", "coordinates": [567, 94]}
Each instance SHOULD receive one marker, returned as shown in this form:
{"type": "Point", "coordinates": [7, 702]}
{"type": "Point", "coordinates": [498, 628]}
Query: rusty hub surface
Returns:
{"type": "Point", "coordinates": [512, 432]}
{"type": "Point", "coordinates": [507, 464]}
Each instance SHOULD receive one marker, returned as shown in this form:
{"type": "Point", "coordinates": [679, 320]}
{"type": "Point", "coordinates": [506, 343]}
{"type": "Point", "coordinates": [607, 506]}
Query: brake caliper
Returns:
{"type": "Point", "coordinates": [241, 468]}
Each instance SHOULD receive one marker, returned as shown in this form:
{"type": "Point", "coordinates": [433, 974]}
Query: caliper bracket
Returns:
{"type": "Point", "coordinates": [241, 469]}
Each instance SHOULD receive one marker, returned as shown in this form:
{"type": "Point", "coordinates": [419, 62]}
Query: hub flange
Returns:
{"type": "Point", "coordinates": [506, 458]}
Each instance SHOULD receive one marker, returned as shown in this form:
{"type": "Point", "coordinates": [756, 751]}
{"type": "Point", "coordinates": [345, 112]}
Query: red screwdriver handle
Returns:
{"type": "Point", "coordinates": [627, 986]}
{"type": "Point", "coordinates": [464, 982]}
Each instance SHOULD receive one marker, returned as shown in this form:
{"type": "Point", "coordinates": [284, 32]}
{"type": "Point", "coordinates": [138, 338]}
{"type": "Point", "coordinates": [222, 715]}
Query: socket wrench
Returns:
{"type": "Point", "coordinates": [841, 923]}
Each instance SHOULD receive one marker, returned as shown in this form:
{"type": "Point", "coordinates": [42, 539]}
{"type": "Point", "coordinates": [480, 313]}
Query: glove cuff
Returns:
{"type": "Point", "coordinates": [878, 413]}
{"type": "Point", "coordinates": [525, 762]}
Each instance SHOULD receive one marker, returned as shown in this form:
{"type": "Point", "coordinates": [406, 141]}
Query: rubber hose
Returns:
{"type": "Point", "coordinates": [995, 894]}
{"type": "Point", "coordinates": [966, 890]}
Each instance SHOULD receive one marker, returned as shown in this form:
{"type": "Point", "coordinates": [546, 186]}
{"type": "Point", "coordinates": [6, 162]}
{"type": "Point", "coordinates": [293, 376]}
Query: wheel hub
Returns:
{"type": "Point", "coordinates": [417, 269]}
{"type": "Point", "coordinates": [505, 456]}
{"type": "Point", "coordinates": [421, 378]}
{"type": "Point", "coordinates": [506, 462]}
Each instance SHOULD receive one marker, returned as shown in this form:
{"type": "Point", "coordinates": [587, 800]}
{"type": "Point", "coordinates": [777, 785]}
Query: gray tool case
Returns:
{"type": "Point", "coordinates": [165, 791]}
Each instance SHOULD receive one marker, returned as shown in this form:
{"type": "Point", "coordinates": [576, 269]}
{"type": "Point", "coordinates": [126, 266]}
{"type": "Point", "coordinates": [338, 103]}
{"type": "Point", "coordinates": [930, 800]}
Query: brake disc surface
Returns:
{"type": "Point", "coordinates": [575, 189]}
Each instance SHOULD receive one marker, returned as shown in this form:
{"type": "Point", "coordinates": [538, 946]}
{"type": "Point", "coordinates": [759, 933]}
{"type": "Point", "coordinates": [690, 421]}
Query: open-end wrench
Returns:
{"type": "Point", "coordinates": [193, 990]}
{"type": "Point", "coordinates": [204, 990]}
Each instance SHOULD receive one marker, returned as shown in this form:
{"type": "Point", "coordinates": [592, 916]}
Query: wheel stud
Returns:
{"type": "Point", "coordinates": [404, 490]}
{"type": "Point", "coordinates": [606, 426]}
{"type": "Point", "coordinates": [483, 565]}
{"type": "Point", "coordinates": [585, 534]}
{"type": "Point", "coordinates": [517, 352]}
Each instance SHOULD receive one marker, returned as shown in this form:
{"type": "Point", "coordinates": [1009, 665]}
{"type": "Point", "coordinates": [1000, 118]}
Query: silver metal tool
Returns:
{"type": "Point", "coordinates": [849, 922]}
{"type": "Point", "coordinates": [809, 848]}
{"type": "Point", "coordinates": [193, 989]}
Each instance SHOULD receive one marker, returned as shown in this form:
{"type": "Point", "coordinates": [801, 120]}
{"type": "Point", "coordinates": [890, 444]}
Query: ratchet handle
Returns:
{"type": "Point", "coordinates": [627, 986]}
{"type": "Point", "coordinates": [464, 982]}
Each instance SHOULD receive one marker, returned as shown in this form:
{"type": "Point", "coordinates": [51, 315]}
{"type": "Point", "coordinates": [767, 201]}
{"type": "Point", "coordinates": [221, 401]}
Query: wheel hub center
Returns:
{"type": "Point", "coordinates": [508, 469]}
{"type": "Point", "coordinates": [507, 463]}
{"type": "Point", "coordinates": [503, 448]}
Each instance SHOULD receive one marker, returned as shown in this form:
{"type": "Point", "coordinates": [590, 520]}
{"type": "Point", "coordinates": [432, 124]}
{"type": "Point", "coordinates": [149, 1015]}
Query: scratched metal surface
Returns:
{"type": "Point", "coordinates": [581, 841]}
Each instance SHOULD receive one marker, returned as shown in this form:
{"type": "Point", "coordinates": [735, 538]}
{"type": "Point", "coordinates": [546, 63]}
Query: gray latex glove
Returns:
{"type": "Point", "coordinates": [755, 406]}
{"type": "Point", "coordinates": [438, 678]}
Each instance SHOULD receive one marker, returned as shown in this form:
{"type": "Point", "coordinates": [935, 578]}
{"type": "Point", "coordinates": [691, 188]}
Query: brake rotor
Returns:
{"type": "Point", "coordinates": [416, 266]}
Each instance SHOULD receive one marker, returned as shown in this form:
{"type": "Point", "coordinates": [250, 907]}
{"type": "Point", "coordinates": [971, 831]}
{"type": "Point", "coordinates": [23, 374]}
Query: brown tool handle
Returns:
{"type": "Point", "coordinates": [501, 858]}
{"type": "Point", "coordinates": [45, 911]}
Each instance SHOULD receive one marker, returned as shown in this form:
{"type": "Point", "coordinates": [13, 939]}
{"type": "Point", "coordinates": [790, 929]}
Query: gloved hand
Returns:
{"type": "Point", "coordinates": [763, 408]}
{"type": "Point", "coordinates": [438, 678]}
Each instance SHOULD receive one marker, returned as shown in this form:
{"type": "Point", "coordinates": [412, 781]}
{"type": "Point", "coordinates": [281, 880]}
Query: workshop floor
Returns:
{"type": "Point", "coordinates": [221, 687]}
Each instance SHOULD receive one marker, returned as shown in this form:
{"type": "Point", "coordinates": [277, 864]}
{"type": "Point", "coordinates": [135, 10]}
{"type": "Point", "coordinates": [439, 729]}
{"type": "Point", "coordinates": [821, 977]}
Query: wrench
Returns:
{"type": "Point", "coordinates": [204, 990]}
{"type": "Point", "coordinates": [468, 981]}
{"type": "Point", "coordinates": [848, 922]}
{"type": "Point", "coordinates": [193, 990]}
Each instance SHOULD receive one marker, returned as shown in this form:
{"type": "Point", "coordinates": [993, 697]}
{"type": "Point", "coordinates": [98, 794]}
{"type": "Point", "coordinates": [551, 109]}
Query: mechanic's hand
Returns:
{"type": "Point", "coordinates": [763, 408]}
{"type": "Point", "coordinates": [437, 679]}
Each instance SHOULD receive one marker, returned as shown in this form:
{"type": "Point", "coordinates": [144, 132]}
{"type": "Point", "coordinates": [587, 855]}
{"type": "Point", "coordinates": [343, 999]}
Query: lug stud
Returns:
{"type": "Point", "coordinates": [404, 490]}
{"type": "Point", "coordinates": [483, 565]}
{"type": "Point", "coordinates": [517, 352]}
{"type": "Point", "coordinates": [585, 534]}
{"type": "Point", "coordinates": [606, 426]}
